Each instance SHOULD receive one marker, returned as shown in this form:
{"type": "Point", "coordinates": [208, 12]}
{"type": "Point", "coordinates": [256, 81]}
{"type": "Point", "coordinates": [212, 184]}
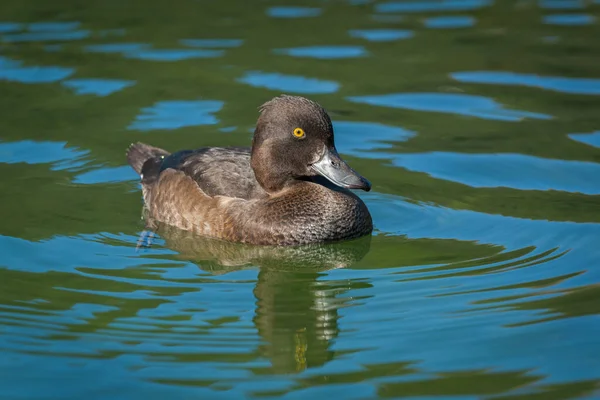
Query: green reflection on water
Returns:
{"type": "Point", "coordinates": [298, 312]}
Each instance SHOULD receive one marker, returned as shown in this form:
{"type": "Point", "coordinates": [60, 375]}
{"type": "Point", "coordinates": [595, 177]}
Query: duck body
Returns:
{"type": "Point", "coordinates": [270, 194]}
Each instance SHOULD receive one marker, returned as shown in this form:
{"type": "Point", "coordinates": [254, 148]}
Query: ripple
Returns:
{"type": "Point", "coordinates": [432, 6]}
{"type": "Point", "coordinates": [172, 54]}
{"type": "Point", "coordinates": [357, 138]}
{"type": "Point", "coordinates": [40, 152]}
{"type": "Point", "coordinates": [177, 114]}
{"type": "Point", "coordinates": [325, 52]}
{"type": "Point", "coordinates": [293, 12]}
{"type": "Point", "coordinates": [436, 222]}
{"type": "Point", "coordinates": [592, 139]}
{"type": "Point", "coordinates": [289, 83]}
{"type": "Point", "coordinates": [557, 83]}
{"type": "Point", "coordinates": [45, 31]}
{"type": "Point", "coordinates": [451, 21]}
{"type": "Point", "coordinates": [107, 175]}
{"type": "Point", "coordinates": [55, 36]}
{"type": "Point", "coordinates": [212, 43]}
{"type": "Point", "coordinates": [97, 86]}
{"type": "Point", "coordinates": [53, 26]}
{"type": "Point", "coordinates": [569, 19]}
{"type": "Point", "coordinates": [382, 35]}
{"type": "Point", "coordinates": [6, 27]}
{"type": "Point", "coordinates": [561, 4]}
{"type": "Point", "coordinates": [515, 171]}
{"type": "Point", "coordinates": [12, 70]}
{"type": "Point", "coordinates": [117, 47]}
{"type": "Point", "coordinates": [460, 104]}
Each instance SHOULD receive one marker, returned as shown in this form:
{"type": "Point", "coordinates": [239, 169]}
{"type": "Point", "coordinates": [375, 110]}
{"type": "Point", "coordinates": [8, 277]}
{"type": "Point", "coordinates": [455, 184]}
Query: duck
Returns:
{"type": "Point", "coordinates": [290, 188]}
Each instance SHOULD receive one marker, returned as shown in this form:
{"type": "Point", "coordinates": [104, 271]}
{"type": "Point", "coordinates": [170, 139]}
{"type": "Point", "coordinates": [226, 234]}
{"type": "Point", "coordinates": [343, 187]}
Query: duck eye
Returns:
{"type": "Point", "coordinates": [299, 133]}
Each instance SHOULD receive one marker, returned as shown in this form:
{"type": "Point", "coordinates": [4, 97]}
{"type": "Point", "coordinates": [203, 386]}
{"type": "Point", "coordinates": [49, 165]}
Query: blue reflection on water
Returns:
{"type": "Point", "coordinates": [97, 86]}
{"type": "Point", "coordinates": [435, 6]}
{"type": "Point", "coordinates": [106, 175]}
{"type": "Point", "coordinates": [58, 36]}
{"type": "Point", "coordinates": [461, 104]}
{"type": "Point", "coordinates": [556, 83]}
{"type": "Point", "coordinates": [516, 171]}
{"type": "Point", "coordinates": [6, 27]}
{"type": "Point", "coordinates": [593, 139]}
{"type": "Point", "coordinates": [40, 152]}
{"type": "Point", "coordinates": [48, 31]}
{"type": "Point", "coordinates": [324, 52]}
{"type": "Point", "coordinates": [289, 83]}
{"type": "Point", "coordinates": [357, 138]}
{"type": "Point", "coordinates": [569, 19]}
{"type": "Point", "coordinates": [382, 35]}
{"type": "Point", "coordinates": [293, 12]}
{"type": "Point", "coordinates": [172, 54]}
{"type": "Point", "coordinates": [177, 114]}
{"type": "Point", "coordinates": [212, 43]}
{"type": "Point", "coordinates": [53, 26]}
{"type": "Point", "coordinates": [12, 70]}
{"type": "Point", "coordinates": [561, 4]}
{"type": "Point", "coordinates": [455, 21]}
{"type": "Point", "coordinates": [116, 47]}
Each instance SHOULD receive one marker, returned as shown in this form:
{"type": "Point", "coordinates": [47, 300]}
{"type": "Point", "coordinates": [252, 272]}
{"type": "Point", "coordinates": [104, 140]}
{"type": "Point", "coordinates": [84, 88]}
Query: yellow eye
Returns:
{"type": "Point", "coordinates": [299, 133]}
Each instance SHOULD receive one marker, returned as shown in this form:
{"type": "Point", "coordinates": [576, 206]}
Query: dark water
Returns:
{"type": "Point", "coordinates": [478, 123]}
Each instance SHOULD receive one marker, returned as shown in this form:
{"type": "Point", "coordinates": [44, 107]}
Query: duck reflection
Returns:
{"type": "Point", "coordinates": [296, 313]}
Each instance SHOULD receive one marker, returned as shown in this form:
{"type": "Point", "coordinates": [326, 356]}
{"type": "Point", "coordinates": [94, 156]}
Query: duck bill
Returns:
{"type": "Point", "coordinates": [332, 167]}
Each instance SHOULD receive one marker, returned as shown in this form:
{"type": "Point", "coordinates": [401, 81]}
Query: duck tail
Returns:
{"type": "Point", "coordinates": [138, 153]}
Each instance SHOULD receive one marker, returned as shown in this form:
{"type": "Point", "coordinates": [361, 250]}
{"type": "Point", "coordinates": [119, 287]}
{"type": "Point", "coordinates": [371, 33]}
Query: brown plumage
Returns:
{"type": "Point", "coordinates": [271, 194]}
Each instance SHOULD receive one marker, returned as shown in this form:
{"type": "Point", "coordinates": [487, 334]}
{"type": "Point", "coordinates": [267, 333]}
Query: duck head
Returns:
{"type": "Point", "coordinates": [293, 141]}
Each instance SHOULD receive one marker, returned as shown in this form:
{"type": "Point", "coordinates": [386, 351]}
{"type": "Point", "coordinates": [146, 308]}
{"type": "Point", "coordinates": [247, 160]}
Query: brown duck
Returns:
{"type": "Point", "coordinates": [271, 194]}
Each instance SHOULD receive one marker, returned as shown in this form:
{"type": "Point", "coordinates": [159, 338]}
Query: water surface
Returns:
{"type": "Point", "coordinates": [476, 121]}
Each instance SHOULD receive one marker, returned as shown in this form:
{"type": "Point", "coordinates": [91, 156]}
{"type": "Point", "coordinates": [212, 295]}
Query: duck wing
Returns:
{"type": "Point", "coordinates": [218, 171]}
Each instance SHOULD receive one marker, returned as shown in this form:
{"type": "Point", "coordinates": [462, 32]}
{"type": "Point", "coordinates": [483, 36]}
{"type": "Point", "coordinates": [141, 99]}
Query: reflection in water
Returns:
{"type": "Point", "coordinates": [12, 70]}
{"type": "Point", "coordinates": [454, 21]}
{"type": "Point", "coordinates": [6, 27]}
{"type": "Point", "coordinates": [569, 19]}
{"type": "Point", "coordinates": [516, 171]}
{"type": "Point", "coordinates": [116, 47]}
{"type": "Point", "coordinates": [325, 52]}
{"type": "Point", "coordinates": [53, 26]}
{"type": "Point", "coordinates": [289, 83]}
{"type": "Point", "coordinates": [556, 83]}
{"type": "Point", "coordinates": [296, 314]}
{"type": "Point", "coordinates": [44, 31]}
{"type": "Point", "coordinates": [107, 175]}
{"type": "Point", "coordinates": [462, 104]}
{"type": "Point", "coordinates": [480, 280]}
{"type": "Point", "coordinates": [99, 87]}
{"type": "Point", "coordinates": [432, 6]}
{"type": "Point", "coordinates": [171, 54]}
{"type": "Point", "coordinates": [293, 12]}
{"type": "Point", "coordinates": [593, 139]}
{"type": "Point", "coordinates": [382, 35]}
{"type": "Point", "coordinates": [38, 152]}
{"type": "Point", "coordinates": [358, 138]}
{"type": "Point", "coordinates": [212, 43]}
{"type": "Point", "coordinates": [177, 114]}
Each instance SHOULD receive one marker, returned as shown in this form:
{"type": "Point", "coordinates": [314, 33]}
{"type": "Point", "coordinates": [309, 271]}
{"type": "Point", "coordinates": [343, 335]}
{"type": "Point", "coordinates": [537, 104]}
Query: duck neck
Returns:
{"type": "Point", "coordinates": [267, 167]}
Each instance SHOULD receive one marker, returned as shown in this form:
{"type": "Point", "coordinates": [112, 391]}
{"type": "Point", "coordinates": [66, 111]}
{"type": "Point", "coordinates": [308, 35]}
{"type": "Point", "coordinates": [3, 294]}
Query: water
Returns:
{"type": "Point", "coordinates": [476, 121]}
